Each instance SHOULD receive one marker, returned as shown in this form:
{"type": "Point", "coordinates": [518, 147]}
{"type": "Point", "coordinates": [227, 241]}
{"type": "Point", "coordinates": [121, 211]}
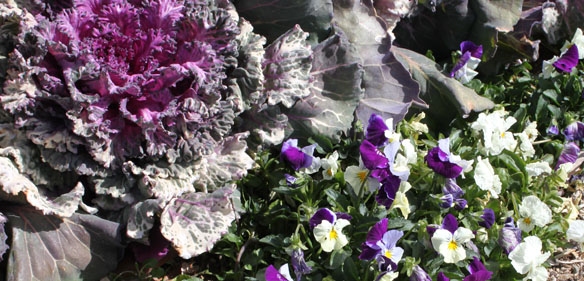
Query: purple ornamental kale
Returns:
{"type": "Point", "coordinates": [509, 236]}
{"type": "Point", "coordinates": [488, 218]}
{"type": "Point", "coordinates": [452, 195]}
{"type": "Point", "coordinates": [380, 244]}
{"type": "Point", "coordinates": [297, 158]}
{"type": "Point", "coordinates": [569, 154]}
{"type": "Point", "coordinates": [441, 161]}
{"type": "Point", "coordinates": [568, 60]}
{"type": "Point", "coordinates": [468, 50]}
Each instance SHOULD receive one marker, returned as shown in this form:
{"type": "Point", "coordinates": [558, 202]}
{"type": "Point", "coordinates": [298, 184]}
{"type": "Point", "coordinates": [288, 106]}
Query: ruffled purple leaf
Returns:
{"type": "Point", "coordinates": [450, 223]}
{"type": "Point", "coordinates": [444, 168]}
{"type": "Point", "coordinates": [320, 215]}
{"type": "Point", "coordinates": [375, 132]}
{"type": "Point", "coordinates": [569, 154]}
{"type": "Point", "coordinates": [488, 218]}
{"type": "Point", "coordinates": [568, 60]}
{"type": "Point", "coordinates": [574, 131]}
{"type": "Point", "coordinates": [371, 156]}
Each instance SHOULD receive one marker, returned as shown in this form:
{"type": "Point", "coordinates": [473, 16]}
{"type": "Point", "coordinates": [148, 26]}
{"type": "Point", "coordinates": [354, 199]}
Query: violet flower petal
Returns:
{"type": "Point", "coordinates": [386, 264]}
{"type": "Point", "coordinates": [368, 253]}
{"type": "Point", "coordinates": [371, 156]}
{"type": "Point", "coordinates": [391, 237]}
{"type": "Point", "coordinates": [509, 236]}
{"type": "Point", "coordinates": [488, 218]}
{"type": "Point", "coordinates": [387, 191]}
{"type": "Point", "coordinates": [569, 154]}
{"type": "Point", "coordinates": [476, 265]}
{"type": "Point", "coordinates": [447, 201]}
{"type": "Point", "coordinates": [553, 130]}
{"type": "Point", "coordinates": [376, 232]}
{"type": "Point", "coordinates": [375, 132]}
{"type": "Point", "coordinates": [450, 223]}
{"type": "Point", "coordinates": [418, 274]}
{"type": "Point", "coordinates": [343, 216]}
{"type": "Point", "coordinates": [272, 274]}
{"type": "Point", "coordinates": [460, 63]}
{"type": "Point", "coordinates": [320, 215]}
{"type": "Point", "coordinates": [568, 60]}
{"type": "Point", "coordinates": [482, 275]}
{"type": "Point", "coordinates": [444, 168]}
{"type": "Point", "coordinates": [451, 187]}
{"type": "Point", "coordinates": [574, 131]}
{"type": "Point", "coordinates": [294, 156]}
{"type": "Point", "coordinates": [474, 49]}
{"type": "Point", "coordinates": [459, 204]}
{"type": "Point", "coordinates": [442, 277]}
{"type": "Point", "coordinates": [299, 264]}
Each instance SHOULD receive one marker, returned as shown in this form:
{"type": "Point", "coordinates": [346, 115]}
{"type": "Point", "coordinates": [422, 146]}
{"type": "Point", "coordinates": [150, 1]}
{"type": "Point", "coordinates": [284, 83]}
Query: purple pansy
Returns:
{"type": "Point", "coordinates": [381, 245]}
{"type": "Point", "coordinates": [569, 154]}
{"type": "Point", "coordinates": [387, 191]}
{"type": "Point", "coordinates": [372, 157]}
{"type": "Point", "coordinates": [452, 195]}
{"type": "Point", "coordinates": [157, 249]}
{"type": "Point", "coordinates": [326, 214]}
{"type": "Point", "coordinates": [468, 50]}
{"type": "Point", "coordinates": [568, 60]}
{"type": "Point", "coordinates": [418, 274]}
{"type": "Point", "coordinates": [488, 218]}
{"type": "Point", "coordinates": [441, 161]}
{"type": "Point", "coordinates": [375, 132]}
{"type": "Point", "coordinates": [296, 157]}
{"type": "Point", "coordinates": [478, 271]}
{"type": "Point", "coordinates": [442, 277]}
{"type": "Point", "coordinates": [574, 131]}
{"type": "Point", "coordinates": [299, 265]}
{"type": "Point", "coordinates": [449, 223]}
{"type": "Point", "coordinates": [509, 236]}
{"type": "Point", "coordinates": [553, 130]}
{"type": "Point", "coordinates": [272, 274]}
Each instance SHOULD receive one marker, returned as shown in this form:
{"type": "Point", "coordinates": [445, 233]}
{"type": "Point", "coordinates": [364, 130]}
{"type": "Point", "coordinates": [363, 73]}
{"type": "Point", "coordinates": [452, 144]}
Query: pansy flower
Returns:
{"type": "Point", "coordinates": [569, 154]}
{"type": "Point", "coordinates": [330, 166]}
{"type": "Point", "coordinates": [509, 236]}
{"type": "Point", "coordinates": [380, 132]}
{"type": "Point", "coordinates": [449, 241]}
{"type": "Point", "coordinates": [381, 245]}
{"type": "Point", "coordinates": [485, 177]}
{"type": "Point", "coordinates": [568, 60]}
{"type": "Point", "coordinates": [577, 40]}
{"type": "Point", "coordinates": [576, 231]}
{"type": "Point", "coordinates": [387, 276]}
{"type": "Point", "coordinates": [495, 130]}
{"type": "Point", "coordinates": [389, 187]}
{"type": "Point", "coordinates": [452, 195]}
{"type": "Point", "coordinates": [328, 229]}
{"type": "Point", "coordinates": [296, 157]}
{"type": "Point", "coordinates": [398, 164]}
{"type": "Point", "coordinates": [527, 258]}
{"type": "Point", "coordinates": [538, 168]}
{"type": "Point", "coordinates": [487, 218]}
{"type": "Point", "coordinates": [357, 176]}
{"type": "Point", "coordinates": [372, 157]}
{"type": "Point", "coordinates": [283, 274]}
{"type": "Point", "coordinates": [443, 162]}
{"type": "Point", "coordinates": [478, 271]}
{"type": "Point", "coordinates": [401, 201]}
{"type": "Point", "coordinates": [574, 131]}
{"type": "Point", "coordinates": [463, 70]}
{"type": "Point", "coordinates": [533, 213]}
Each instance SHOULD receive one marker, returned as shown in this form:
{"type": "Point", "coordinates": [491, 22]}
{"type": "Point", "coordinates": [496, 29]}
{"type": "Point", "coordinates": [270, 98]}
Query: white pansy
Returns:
{"type": "Point", "coordinates": [330, 166]}
{"type": "Point", "coordinates": [485, 178]}
{"type": "Point", "coordinates": [525, 145]}
{"type": "Point", "coordinates": [330, 236]}
{"type": "Point", "coordinates": [401, 200]}
{"type": "Point", "coordinates": [467, 71]}
{"type": "Point", "coordinates": [285, 271]}
{"type": "Point", "coordinates": [316, 161]}
{"type": "Point", "coordinates": [389, 133]}
{"type": "Point", "coordinates": [450, 245]}
{"type": "Point", "coordinates": [533, 212]}
{"type": "Point", "coordinates": [538, 168]}
{"type": "Point", "coordinates": [357, 175]}
{"type": "Point", "coordinates": [389, 276]}
{"type": "Point", "coordinates": [577, 40]}
{"type": "Point", "coordinates": [527, 258]}
{"type": "Point", "coordinates": [531, 130]}
{"type": "Point", "coordinates": [400, 167]}
{"type": "Point", "coordinates": [409, 151]}
{"type": "Point", "coordinates": [576, 231]}
{"type": "Point", "coordinates": [494, 128]}
{"type": "Point", "coordinates": [548, 69]}
{"type": "Point", "coordinates": [564, 171]}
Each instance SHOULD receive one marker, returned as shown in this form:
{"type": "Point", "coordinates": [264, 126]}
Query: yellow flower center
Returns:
{"type": "Point", "coordinates": [388, 254]}
{"type": "Point", "coordinates": [329, 172]}
{"type": "Point", "coordinates": [452, 245]}
{"type": "Point", "coordinates": [527, 220]}
{"type": "Point", "coordinates": [333, 234]}
{"type": "Point", "coordinates": [362, 175]}
{"type": "Point", "coordinates": [503, 134]}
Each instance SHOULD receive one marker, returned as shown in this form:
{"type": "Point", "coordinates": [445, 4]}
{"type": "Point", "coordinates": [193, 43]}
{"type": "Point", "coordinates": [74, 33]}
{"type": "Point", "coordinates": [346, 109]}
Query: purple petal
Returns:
{"type": "Point", "coordinates": [376, 232]}
{"type": "Point", "coordinates": [381, 174]}
{"type": "Point", "coordinates": [299, 264]}
{"type": "Point", "coordinates": [553, 130]}
{"type": "Point", "coordinates": [386, 264]}
{"type": "Point", "coordinates": [509, 236]}
{"type": "Point", "coordinates": [450, 187]}
{"type": "Point", "coordinates": [476, 265]}
{"type": "Point", "coordinates": [450, 223]}
{"type": "Point", "coordinates": [320, 215]}
{"type": "Point", "coordinates": [479, 276]}
{"type": "Point", "coordinates": [567, 61]}
{"type": "Point", "coordinates": [488, 218]}
{"type": "Point", "coordinates": [460, 63]}
{"type": "Point", "coordinates": [574, 131]}
{"type": "Point", "coordinates": [343, 216]}
{"type": "Point", "coordinates": [419, 274]}
{"type": "Point", "coordinates": [375, 132]}
{"type": "Point", "coordinates": [290, 180]}
{"type": "Point", "coordinates": [444, 168]}
{"type": "Point", "coordinates": [371, 156]}
{"type": "Point", "coordinates": [368, 253]}
{"type": "Point", "coordinates": [475, 50]}
{"type": "Point", "coordinates": [569, 154]}
{"type": "Point", "coordinates": [387, 191]}
{"type": "Point", "coordinates": [391, 237]}
{"type": "Point", "coordinates": [459, 204]}
{"type": "Point", "coordinates": [442, 277]}
{"type": "Point", "coordinates": [272, 274]}
{"type": "Point", "coordinates": [294, 156]}
{"type": "Point", "coordinates": [431, 230]}
{"type": "Point", "coordinates": [447, 201]}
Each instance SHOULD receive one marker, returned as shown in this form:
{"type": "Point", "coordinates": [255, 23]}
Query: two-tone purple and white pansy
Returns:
{"type": "Point", "coordinates": [299, 158]}
{"type": "Point", "coordinates": [380, 132]}
{"type": "Point", "coordinates": [567, 60]}
{"type": "Point", "coordinates": [464, 69]}
{"type": "Point", "coordinates": [450, 239]}
{"type": "Point", "coordinates": [574, 131]}
{"type": "Point", "coordinates": [380, 245]}
{"type": "Point", "coordinates": [328, 229]}
{"type": "Point", "coordinates": [452, 196]}
{"type": "Point", "coordinates": [283, 274]}
{"type": "Point", "coordinates": [445, 163]}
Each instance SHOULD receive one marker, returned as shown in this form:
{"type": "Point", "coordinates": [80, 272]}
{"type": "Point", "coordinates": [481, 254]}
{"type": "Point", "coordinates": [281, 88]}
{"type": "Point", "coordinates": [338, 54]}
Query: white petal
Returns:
{"type": "Point", "coordinates": [441, 237]}
{"type": "Point", "coordinates": [396, 254]}
{"type": "Point", "coordinates": [341, 241]}
{"type": "Point", "coordinates": [463, 235]}
{"type": "Point", "coordinates": [576, 231]}
{"type": "Point", "coordinates": [328, 244]}
{"type": "Point", "coordinates": [322, 231]}
{"type": "Point", "coordinates": [524, 226]}
{"type": "Point", "coordinates": [340, 224]}
{"type": "Point", "coordinates": [538, 168]}
{"type": "Point", "coordinates": [539, 273]}
{"type": "Point", "coordinates": [285, 271]}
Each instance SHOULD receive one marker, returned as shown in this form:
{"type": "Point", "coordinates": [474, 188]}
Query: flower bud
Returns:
{"type": "Point", "coordinates": [509, 236]}
{"type": "Point", "coordinates": [419, 274]}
